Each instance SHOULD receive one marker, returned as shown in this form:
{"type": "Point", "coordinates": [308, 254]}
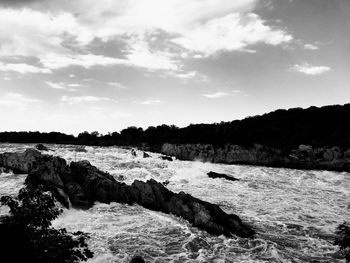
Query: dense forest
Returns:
{"type": "Point", "coordinates": [285, 129]}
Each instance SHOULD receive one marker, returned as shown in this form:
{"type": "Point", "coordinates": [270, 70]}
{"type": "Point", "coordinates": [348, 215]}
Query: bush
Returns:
{"type": "Point", "coordinates": [343, 239]}
{"type": "Point", "coordinates": [27, 234]}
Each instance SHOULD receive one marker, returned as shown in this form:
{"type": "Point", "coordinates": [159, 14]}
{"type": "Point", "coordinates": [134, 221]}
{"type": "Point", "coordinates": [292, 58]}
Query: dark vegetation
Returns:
{"type": "Point", "coordinates": [343, 240]}
{"type": "Point", "coordinates": [27, 234]}
{"type": "Point", "coordinates": [284, 129]}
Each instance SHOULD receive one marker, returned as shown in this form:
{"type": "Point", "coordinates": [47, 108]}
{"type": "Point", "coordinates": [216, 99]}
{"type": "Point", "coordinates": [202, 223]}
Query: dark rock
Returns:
{"type": "Point", "coordinates": [133, 152]}
{"type": "Point", "coordinates": [41, 147]}
{"type": "Point", "coordinates": [303, 157]}
{"type": "Point", "coordinates": [80, 149]}
{"type": "Point", "coordinates": [84, 184]}
{"type": "Point", "coordinates": [224, 176]}
{"type": "Point", "coordinates": [137, 259]}
{"type": "Point", "coordinates": [166, 158]}
{"type": "Point", "coordinates": [166, 182]}
{"type": "Point", "coordinates": [146, 155]}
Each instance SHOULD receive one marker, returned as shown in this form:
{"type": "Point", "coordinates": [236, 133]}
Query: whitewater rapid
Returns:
{"type": "Point", "coordinates": [295, 212]}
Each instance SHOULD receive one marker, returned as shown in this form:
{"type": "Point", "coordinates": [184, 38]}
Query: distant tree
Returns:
{"type": "Point", "coordinates": [27, 234]}
{"type": "Point", "coordinates": [343, 239]}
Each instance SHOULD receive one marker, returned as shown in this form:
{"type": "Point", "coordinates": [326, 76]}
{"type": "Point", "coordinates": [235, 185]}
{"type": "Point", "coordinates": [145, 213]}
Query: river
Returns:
{"type": "Point", "coordinates": [294, 212]}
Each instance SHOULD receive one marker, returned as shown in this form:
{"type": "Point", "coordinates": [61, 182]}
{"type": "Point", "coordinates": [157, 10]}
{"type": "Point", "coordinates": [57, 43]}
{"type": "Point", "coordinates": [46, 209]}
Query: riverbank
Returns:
{"type": "Point", "coordinates": [304, 157]}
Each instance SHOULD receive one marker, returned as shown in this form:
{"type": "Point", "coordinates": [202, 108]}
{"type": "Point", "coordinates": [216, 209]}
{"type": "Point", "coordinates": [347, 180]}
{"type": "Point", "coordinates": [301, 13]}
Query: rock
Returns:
{"type": "Point", "coordinates": [84, 184]}
{"type": "Point", "coordinates": [146, 155]}
{"type": "Point", "coordinates": [166, 158]}
{"type": "Point", "coordinates": [304, 157]}
{"type": "Point", "coordinates": [137, 259]}
{"type": "Point", "coordinates": [41, 147]}
{"type": "Point", "coordinates": [80, 149]}
{"type": "Point", "coordinates": [133, 152]}
{"type": "Point", "coordinates": [121, 177]}
{"type": "Point", "coordinates": [166, 182]}
{"type": "Point", "coordinates": [224, 176]}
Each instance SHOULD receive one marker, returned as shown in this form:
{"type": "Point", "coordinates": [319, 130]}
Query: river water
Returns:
{"type": "Point", "coordinates": [294, 212]}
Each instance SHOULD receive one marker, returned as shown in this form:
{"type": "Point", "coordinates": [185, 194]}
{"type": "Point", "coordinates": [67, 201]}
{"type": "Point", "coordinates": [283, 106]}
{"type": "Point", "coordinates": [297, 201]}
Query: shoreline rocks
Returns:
{"type": "Point", "coordinates": [81, 184]}
{"type": "Point", "coordinates": [304, 157]}
{"type": "Point", "coordinates": [215, 175]}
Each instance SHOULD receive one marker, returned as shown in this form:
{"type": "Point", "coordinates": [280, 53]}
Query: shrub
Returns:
{"type": "Point", "coordinates": [27, 234]}
{"type": "Point", "coordinates": [343, 239]}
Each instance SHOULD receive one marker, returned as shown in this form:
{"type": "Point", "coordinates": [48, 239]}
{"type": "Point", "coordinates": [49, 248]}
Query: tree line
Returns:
{"type": "Point", "coordinates": [285, 129]}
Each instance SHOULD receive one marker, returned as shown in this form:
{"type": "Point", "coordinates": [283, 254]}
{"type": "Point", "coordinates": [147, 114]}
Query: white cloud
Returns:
{"type": "Point", "coordinates": [22, 68]}
{"type": "Point", "coordinates": [16, 101]}
{"type": "Point", "coordinates": [185, 76]}
{"type": "Point", "coordinates": [216, 95]}
{"type": "Point", "coordinates": [56, 61]}
{"type": "Point", "coordinates": [62, 86]}
{"type": "Point", "coordinates": [59, 36]}
{"type": "Point", "coordinates": [55, 85]}
{"type": "Point", "coordinates": [310, 70]}
{"type": "Point", "coordinates": [117, 85]}
{"type": "Point", "coordinates": [151, 102]}
{"type": "Point", "coordinates": [231, 32]}
{"type": "Point", "coordinates": [310, 47]}
{"type": "Point", "coordinates": [80, 99]}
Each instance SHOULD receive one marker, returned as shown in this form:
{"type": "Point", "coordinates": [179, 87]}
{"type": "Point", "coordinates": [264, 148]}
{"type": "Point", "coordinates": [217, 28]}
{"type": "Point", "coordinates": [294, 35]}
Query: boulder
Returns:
{"type": "Point", "coordinates": [166, 158]}
{"type": "Point", "coordinates": [137, 259]}
{"type": "Point", "coordinates": [146, 155]}
{"type": "Point", "coordinates": [84, 184]}
{"type": "Point", "coordinates": [224, 176]}
{"type": "Point", "coordinates": [41, 147]}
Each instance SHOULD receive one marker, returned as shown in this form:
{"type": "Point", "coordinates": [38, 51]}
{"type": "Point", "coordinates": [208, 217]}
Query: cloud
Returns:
{"type": "Point", "coordinates": [16, 101]}
{"type": "Point", "coordinates": [22, 68]}
{"type": "Point", "coordinates": [57, 61]}
{"type": "Point", "coordinates": [151, 102]}
{"type": "Point", "coordinates": [216, 95]}
{"type": "Point", "coordinates": [156, 34]}
{"type": "Point", "coordinates": [62, 86]}
{"type": "Point", "coordinates": [310, 47]}
{"type": "Point", "coordinates": [232, 32]}
{"type": "Point", "coordinates": [117, 85]}
{"type": "Point", "coordinates": [85, 99]}
{"type": "Point", "coordinates": [309, 70]}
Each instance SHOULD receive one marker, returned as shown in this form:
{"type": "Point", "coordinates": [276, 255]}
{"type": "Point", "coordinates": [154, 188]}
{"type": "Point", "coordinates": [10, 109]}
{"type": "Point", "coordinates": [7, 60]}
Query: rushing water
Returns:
{"type": "Point", "coordinates": [294, 212]}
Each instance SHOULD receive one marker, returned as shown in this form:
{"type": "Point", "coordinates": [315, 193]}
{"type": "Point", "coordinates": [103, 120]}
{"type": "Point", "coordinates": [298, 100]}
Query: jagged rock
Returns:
{"type": "Point", "coordinates": [166, 182]}
{"type": "Point", "coordinates": [146, 155]}
{"type": "Point", "coordinates": [304, 157]}
{"type": "Point", "coordinates": [219, 175]}
{"type": "Point", "coordinates": [80, 149]}
{"type": "Point", "coordinates": [137, 259]}
{"type": "Point", "coordinates": [41, 147]}
{"type": "Point", "coordinates": [166, 158]}
{"type": "Point", "coordinates": [133, 152]}
{"type": "Point", "coordinates": [84, 184]}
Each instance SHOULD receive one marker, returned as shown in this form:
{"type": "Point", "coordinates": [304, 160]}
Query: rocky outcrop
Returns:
{"type": "Point", "coordinates": [304, 157]}
{"type": "Point", "coordinates": [215, 175]}
{"type": "Point", "coordinates": [166, 158]}
{"type": "Point", "coordinates": [82, 184]}
{"type": "Point", "coordinates": [41, 147]}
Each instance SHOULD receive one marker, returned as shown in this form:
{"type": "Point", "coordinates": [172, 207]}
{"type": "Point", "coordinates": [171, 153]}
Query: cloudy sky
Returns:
{"type": "Point", "coordinates": [104, 65]}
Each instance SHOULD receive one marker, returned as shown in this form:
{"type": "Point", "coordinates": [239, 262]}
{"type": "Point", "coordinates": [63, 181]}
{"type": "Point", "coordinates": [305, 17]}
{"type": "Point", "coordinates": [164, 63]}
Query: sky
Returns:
{"type": "Point", "coordinates": [87, 65]}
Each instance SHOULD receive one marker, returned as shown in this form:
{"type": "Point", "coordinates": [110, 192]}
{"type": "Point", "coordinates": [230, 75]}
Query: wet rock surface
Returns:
{"type": "Point", "coordinates": [304, 157]}
{"type": "Point", "coordinates": [82, 184]}
{"type": "Point", "coordinates": [215, 175]}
